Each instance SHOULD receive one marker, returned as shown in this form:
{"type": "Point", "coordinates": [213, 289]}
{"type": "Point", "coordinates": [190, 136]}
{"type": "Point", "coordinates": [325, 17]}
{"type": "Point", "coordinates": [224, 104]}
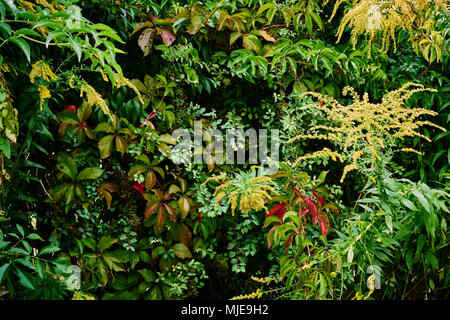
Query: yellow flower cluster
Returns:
{"type": "Point", "coordinates": [254, 295]}
{"type": "Point", "coordinates": [53, 6]}
{"type": "Point", "coordinates": [251, 192]}
{"type": "Point", "coordinates": [44, 93]}
{"type": "Point", "coordinates": [41, 69]}
{"type": "Point", "coordinates": [265, 280]}
{"type": "Point", "coordinates": [94, 98]}
{"type": "Point", "coordinates": [82, 296]}
{"type": "Point", "coordinates": [121, 81]}
{"type": "Point", "coordinates": [364, 129]}
{"type": "Point", "coordinates": [370, 16]}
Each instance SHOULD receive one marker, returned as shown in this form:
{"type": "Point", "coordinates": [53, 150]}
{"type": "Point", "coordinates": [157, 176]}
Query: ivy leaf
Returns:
{"type": "Point", "coordinates": [148, 275]}
{"type": "Point", "coordinates": [106, 242]}
{"type": "Point", "coordinates": [105, 146]}
{"type": "Point", "coordinates": [150, 180]}
{"type": "Point", "coordinates": [121, 145]}
{"type": "Point", "coordinates": [184, 206]}
{"type": "Point", "coordinates": [68, 166]}
{"type": "Point", "coordinates": [181, 251]}
{"type": "Point", "coordinates": [89, 174]}
{"type": "Point", "coordinates": [161, 219]}
{"type": "Point", "coordinates": [68, 117]}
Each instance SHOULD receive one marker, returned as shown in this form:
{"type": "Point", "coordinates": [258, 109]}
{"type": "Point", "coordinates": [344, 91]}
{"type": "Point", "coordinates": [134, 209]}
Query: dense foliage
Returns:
{"type": "Point", "coordinates": [91, 92]}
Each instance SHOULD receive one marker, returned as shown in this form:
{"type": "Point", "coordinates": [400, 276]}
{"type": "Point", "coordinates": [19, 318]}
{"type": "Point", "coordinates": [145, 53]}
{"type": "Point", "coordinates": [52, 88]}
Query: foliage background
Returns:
{"type": "Point", "coordinates": [91, 91]}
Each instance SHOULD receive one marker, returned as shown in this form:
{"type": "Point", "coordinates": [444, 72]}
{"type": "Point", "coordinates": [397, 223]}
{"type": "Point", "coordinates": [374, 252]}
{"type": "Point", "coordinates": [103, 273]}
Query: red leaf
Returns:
{"type": "Point", "coordinates": [321, 200]}
{"type": "Point", "coordinates": [150, 116]}
{"type": "Point", "coordinates": [313, 208]}
{"type": "Point", "coordinates": [279, 210]}
{"type": "Point", "coordinates": [71, 108]}
{"type": "Point", "coordinates": [323, 227]}
{"type": "Point", "coordinates": [138, 186]}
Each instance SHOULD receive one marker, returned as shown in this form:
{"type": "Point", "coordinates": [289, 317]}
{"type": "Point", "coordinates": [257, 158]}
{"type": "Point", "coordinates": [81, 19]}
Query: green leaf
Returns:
{"type": "Point", "coordinates": [22, 44]}
{"type": "Point", "coordinates": [5, 27]}
{"type": "Point", "coordinates": [105, 145]}
{"type": "Point", "coordinates": [233, 37]}
{"type": "Point", "coordinates": [252, 42]}
{"type": "Point", "coordinates": [167, 138]}
{"type": "Point", "coordinates": [5, 147]}
{"type": "Point", "coordinates": [181, 251]}
{"type": "Point", "coordinates": [68, 117]}
{"type": "Point", "coordinates": [389, 222]}
{"type": "Point", "coordinates": [76, 47]}
{"type": "Point", "coordinates": [104, 127]}
{"type": "Point", "coordinates": [422, 200]}
{"type": "Point", "coordinates": [106, 242]}
{"type": "Point", "coordinates": [24, 279]}
{"type": "Point", "coordinates": [148, 275]}
{"type": "Point", "coordinates": [49, 249]}
{"type": "Point", "coordinates": [89, 174]}
{"type": "Point", "coordinates": [3, 270]}
{"type": "Point", "coordinates": [68, 166]}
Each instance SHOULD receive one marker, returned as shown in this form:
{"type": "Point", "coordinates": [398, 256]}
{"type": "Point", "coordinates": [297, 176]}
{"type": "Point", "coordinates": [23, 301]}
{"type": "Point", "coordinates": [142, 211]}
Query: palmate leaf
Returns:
{"type": "Point", "coordinates": [106, 242]}
{"type": "Point", "coordinates": [68, 117]}
{"type": "Point", "coordinates": [68, 166]}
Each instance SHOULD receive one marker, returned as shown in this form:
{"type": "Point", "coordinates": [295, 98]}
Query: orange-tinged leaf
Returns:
{"type": "Point", "coordinates": [185, 235]}
{"type": "Point", "coordinates": [171, 212]}
{"type": "Point", "coordinates": [110, 186]}
{"type": "Point", "coordinates": [121, 145]}
{"type": "Point", "coordinates": [266, 36]}
{"type": "Point", "coordinates": [150, 180]}
{"type": "Point", "coordinates": [151, 209]}
{"type": "Point", "coordinates": [184, 205]}
{"type": "Point", "coordinates": [107, 196]}
{"type": "Point", "coordinates": [161, 220]}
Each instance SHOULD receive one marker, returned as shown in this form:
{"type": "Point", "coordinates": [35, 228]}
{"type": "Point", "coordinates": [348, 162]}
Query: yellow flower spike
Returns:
{"type": "Point", "coordinates": [44, 93]}
{"type": "Point", "coordinates": [41, 69]}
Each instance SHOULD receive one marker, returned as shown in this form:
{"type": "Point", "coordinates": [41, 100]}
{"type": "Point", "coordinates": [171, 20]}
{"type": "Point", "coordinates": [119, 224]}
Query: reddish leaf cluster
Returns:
{"type": "Point", "coordinates": [279, 210]}
{"type": "Point", "coordinates": [315, 208]}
